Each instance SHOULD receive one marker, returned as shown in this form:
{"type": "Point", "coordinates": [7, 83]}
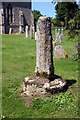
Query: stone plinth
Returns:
{"type": "Point", "coordinates": [36, 86]}
{"type": "Point", "coordinates": [31, 31]}
{"type": "Point", "coordinates": [44, 82]}
{"type": "Point", "coordinates": [44, 57]}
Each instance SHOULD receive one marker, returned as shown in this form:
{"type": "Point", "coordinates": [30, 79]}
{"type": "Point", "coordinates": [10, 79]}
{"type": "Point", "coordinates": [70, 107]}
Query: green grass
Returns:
{"type": "Point", "coordinates": [19, 57]}
{"type": "Point", "coordinates": [0, 75]}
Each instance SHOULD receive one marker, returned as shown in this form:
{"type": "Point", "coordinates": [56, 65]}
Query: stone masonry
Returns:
{"type": "Point", "coordinates": [15, 16]}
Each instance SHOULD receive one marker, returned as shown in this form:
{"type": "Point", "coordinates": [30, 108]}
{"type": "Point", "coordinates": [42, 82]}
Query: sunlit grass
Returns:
{"type": "Point", "coordinates": [19, 57]}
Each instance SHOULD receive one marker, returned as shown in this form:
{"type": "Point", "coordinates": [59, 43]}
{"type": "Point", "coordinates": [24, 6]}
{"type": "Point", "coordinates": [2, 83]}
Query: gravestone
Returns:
{"type": "Point", "coordinates": [10, 31]}
{"type": "Point", "coordinates": [26, 31]}
{"type": "Point", "coordinates": [60, 38]}
{"type": "Point", "coordinates": [59, 52]}
{"type": "Point", "coordinates": [20, 29]}
{"type": "Point", "coordinates": [57, 37]}
{"type": "Point", "coordinates": [44, 57]}
{"type": "Point", "coordinates": [36, 36]}
{"type": "Point", "coordinates": [31, 31]}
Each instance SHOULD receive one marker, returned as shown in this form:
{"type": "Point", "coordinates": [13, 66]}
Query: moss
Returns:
{"type": "Point", "coordinates": [37, 73]}
{"type": "Point", "coordinates": [44, 74]}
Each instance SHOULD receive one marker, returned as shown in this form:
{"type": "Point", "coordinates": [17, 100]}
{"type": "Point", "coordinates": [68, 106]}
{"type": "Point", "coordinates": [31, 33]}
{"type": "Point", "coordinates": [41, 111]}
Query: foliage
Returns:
{"type": "Point", "coordinates": [72, 31]}
{"type": "Point", "coordinates": [57, 22]}
{"type": "Point", "coordinates": [56, 102]}
{"type": "Point", "coordinates": [36, 14]}
{"type": "Point", "coordinates": [69, 14]}
{"type": "Point", "coordinates": [77, 19]}
{"type": "Point", "coordinates": [66, 11]}
{"type": "Point", "coordinates": [71, 23]}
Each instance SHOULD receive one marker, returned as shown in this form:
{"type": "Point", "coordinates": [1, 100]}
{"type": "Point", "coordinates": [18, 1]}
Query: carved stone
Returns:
{"type": "Point", "coordinates": [44, 56]}
{"type": "Point", "coordinates": [31, 31]}
{"type": "Point", "coordinates": [45, 81]}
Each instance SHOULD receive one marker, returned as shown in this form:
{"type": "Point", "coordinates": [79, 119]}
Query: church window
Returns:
{"type": "Point", "coordinates": [9, 14]}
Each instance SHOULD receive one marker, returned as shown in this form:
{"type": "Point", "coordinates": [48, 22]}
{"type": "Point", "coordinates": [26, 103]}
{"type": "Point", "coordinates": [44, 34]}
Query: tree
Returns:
{"type": "Point", "coordinates": [56, 22]}
{"type": "Point", "coordinates": [77, 19]}
{"type": "Point", "coordinates": [36, 14]}
{"type": "Point", "coordinates": [65, 11]}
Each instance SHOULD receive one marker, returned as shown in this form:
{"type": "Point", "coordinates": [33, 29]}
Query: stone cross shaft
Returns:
{"type": "Point", "coordinates": [44, 56]}
{"type": "Point", "coordinates": [31, 31]}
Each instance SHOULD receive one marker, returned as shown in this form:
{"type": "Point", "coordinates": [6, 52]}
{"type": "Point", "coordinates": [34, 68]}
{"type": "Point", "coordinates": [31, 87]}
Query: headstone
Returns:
{"type": "Point", "coordinates": [1, 29]}
{"type": "Point", "coordinates": [31, 31]}
{"type": "Point", "coordinates": [20, 29]}
{"type": "Point", "coordinates": [44, 57]}
{"type": "Point", "coordinates": [59, 52]}
{"type": "Point", "coordinates": [60, 38]}
{"type": "Point", "coordinates": [36, 36]}
{"type": "Point", "coordinates": [10, 31]}
{"type": "Point", "coordinates": [26, 31]}
{"type": "Point", "coordinates": [57, 37]}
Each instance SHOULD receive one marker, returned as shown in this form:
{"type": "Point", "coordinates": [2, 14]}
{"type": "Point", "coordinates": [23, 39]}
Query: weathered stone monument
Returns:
{"type": "Point", "coordinates": [31, 31]}
{"type": "Point", "coordinates": [44, 81]}
{"type": "Point", "coordinates": [59, 52]}
{"type": "Point", "coordinates": [58, 35]}
{"type": "Point", "coordinates": [44, 57]}
{"type": "Point", "coordinates": [36, 36]}
{"type": "Point", "coordinates": [60, 38]}
{"type": "Point", "coordinates": [10, 31]}
{"type": "Point", "coordinates": [26, 31]}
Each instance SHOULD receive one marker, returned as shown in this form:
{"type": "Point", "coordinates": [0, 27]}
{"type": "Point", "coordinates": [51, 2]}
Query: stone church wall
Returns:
{"type": "Point", "coordinates": [19, 9]}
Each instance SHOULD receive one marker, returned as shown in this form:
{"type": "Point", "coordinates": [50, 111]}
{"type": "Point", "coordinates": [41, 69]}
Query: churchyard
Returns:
{"type": "Point", "coordinates": [19, 61]}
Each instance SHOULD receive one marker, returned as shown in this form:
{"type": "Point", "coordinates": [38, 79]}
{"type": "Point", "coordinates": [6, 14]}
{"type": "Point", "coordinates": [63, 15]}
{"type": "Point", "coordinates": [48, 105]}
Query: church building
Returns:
{"type": "Point", "coordinates": [15, 16]}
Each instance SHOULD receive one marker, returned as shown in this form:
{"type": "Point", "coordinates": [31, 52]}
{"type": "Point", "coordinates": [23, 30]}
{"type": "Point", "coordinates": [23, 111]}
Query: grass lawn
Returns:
{"type": "Point", "coordinates": [19, 57]}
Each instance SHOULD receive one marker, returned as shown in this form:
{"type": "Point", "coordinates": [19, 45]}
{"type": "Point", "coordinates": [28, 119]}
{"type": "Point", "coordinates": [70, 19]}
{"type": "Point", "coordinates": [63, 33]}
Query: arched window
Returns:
{"type": "Point", "coordinates": [9, 14]}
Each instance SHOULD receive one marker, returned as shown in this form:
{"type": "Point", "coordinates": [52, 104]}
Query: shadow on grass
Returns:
{"type": "Point", "coordinates": [63, 86]}
{"type": "Point", "coordinates": [68, 84]}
